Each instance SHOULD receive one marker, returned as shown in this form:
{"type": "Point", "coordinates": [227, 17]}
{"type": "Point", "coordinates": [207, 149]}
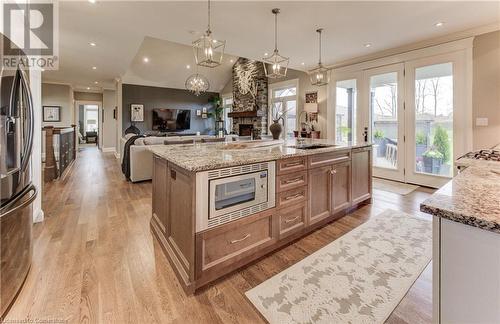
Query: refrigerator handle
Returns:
{"type": "Point", "coordinates": [7, 207]}
{"type": "Point", "coordinates": [30, 115]}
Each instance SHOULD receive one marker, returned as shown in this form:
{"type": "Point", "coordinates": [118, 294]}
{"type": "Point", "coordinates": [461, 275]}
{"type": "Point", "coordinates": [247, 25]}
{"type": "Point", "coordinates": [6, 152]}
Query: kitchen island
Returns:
{"type": "Point", "coordinates": [466, 245]}
{"type": "Point", "coordinates": [217, 207]}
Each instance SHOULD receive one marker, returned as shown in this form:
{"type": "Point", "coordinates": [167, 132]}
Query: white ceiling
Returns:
{"type": "Point", "coordinates": [126, 31]}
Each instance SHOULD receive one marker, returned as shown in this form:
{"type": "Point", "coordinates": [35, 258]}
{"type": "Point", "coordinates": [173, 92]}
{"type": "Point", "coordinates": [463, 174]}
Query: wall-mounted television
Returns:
{"type": "Point", "coordinates": [169, 120]}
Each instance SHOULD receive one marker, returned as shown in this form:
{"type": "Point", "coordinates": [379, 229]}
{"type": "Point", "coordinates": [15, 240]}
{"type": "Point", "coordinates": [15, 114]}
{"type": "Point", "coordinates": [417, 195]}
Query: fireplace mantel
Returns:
{"type": "Point", "coordinates": [246, 114]}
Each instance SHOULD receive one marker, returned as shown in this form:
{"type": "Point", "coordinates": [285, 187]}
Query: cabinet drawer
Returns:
{"type": "Point", "coordinates": [318, 160]}
{"type": "Point", "coordinates": [292, 165]}
{"type": "Point", "coordinates": [292, 219]}
{"type": "Point", "coordinates": [291, 197]}
{"type": "Point", "coordinates": [291, 181]}
{"type": "Point", "coordinates": [235, 240]}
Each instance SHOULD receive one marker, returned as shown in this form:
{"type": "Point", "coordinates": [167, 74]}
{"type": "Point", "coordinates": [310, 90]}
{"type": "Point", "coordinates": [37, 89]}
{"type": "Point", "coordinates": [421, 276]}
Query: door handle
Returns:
{"type": "Point", "coordinates": [240, 240]}
{"type": "Point", "coordinates": [291, 220]}
{"type": "Point", "coordinates": [333, 171]}
{"type": "Point", "coordinates": [31, 188]}
{"type": "Point", "coordinates": [29, 107]}
{"type": "Point", "coordinates": [293, 180]}
{"type": "Point", "coordinates": [293, 196]}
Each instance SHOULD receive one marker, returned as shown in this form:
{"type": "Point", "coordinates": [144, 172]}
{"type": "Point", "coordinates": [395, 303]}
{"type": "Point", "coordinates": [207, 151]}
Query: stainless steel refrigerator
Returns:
{"type": "Point", "coordinates": [17, 190]}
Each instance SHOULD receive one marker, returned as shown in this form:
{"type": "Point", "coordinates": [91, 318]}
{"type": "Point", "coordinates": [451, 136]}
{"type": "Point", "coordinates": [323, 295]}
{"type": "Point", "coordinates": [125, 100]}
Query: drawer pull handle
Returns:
{"type": "Point", "coordinates": [292, 164]}
{"type": "Point", "coordinates": [241, 239]}
{"type": "Point", "coordinates": [293, 180]}
{"type": "Point", "coordinates": [291, 219]}
{"type": "Point", "coordinates": [294, 196]}
{"type": "Point", "coordinates": [334, 171]}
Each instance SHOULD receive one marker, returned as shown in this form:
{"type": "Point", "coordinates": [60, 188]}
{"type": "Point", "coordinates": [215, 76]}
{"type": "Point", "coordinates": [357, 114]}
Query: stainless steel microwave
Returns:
{"type": "Point", "coordinates": [224, 195]}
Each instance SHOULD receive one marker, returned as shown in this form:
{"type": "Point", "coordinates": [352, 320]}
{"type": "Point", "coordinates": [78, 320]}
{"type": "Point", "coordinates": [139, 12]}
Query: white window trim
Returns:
{"type": "Point", "coordinates": [223, 97]}
{"type": "Point", "coordinates": [283, 85]}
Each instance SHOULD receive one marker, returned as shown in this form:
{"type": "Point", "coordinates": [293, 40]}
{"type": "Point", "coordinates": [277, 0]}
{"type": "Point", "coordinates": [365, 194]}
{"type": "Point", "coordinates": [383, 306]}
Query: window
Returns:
{"type": "Point", "coordinates": [227, 104]}
{"type": "Point", "coordinates": [91, 118]}
{"type": "Point", "coordinates": [284, 100]}
{"type": "Point", "coordinates": [345, 124]}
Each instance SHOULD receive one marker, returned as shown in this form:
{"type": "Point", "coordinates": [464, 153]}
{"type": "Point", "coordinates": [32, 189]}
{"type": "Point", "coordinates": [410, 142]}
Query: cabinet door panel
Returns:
{"type": "Point", "coordinates": [320, 183]}
{"type": "Point", "coordinates": [341, 186]}
{"type": "Point", "coordinates": [361, 175]}
{"type": "Point", "coordinates": [160, 194]}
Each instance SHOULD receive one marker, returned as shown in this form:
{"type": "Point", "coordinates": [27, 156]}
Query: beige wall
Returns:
{"type": "Point", "coordinates": [59, 95]}
{"type": "Point", "coordinates": [305, 86]}
{"type": "Point", "coordinates": [486, 89]}
{"type": "Point", "coordinates": [108, 123]}
{"type": "Point", "coordinates": [88, 96]}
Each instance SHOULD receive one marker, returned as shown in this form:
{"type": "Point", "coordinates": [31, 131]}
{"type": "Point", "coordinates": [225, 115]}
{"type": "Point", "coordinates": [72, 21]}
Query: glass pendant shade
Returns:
{"type": "Point", "coordinates": [320, 75]}
{"type": "Point", "coordinates": [276, 65]}
{"type": "Point", "coordinates": [208, 52]}
{"type": "Point", "coordinates": [197, 84]}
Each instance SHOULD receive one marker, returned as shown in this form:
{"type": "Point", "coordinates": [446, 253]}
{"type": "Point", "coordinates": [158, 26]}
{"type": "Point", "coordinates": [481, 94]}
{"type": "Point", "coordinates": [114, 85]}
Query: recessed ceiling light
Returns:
{"type": "Point", "coordinates": [231, 60]}
{"type": "Point", "coordinates": [303, 63]}
{"type": "Point", "coordinates": [92, 44]}
{"type": "Point", "coordinates": [265, 54]}
{"type": "Point", "coordinates": [88, 88]}
{"type": "Point", "coordinates": [439, 24]}
{"type": "Point", "coordinates": [146, 60]}
{"type": "Point", "coordinates": [96, 82]}
{"type": "Point", "coordinates": [368, 45]}
{"type": "Point", "coordinates": [188, 66]}
{"type": "Point", "coordinates": [92, 1]}
{"type": "Point", "coordinates": [94, 68]}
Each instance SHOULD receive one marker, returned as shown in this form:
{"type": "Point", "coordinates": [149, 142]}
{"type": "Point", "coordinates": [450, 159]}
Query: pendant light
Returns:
{"type": "Point", "coordinates": [197, 83]}
{"type": "Point", "coordinates": [278, 64]}
{"type": "Point", "coordinates": [208, 52]}
{"type": "Point", "coordinates": [320, 75]}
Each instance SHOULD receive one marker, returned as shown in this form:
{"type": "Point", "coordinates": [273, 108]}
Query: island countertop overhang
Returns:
{"type": "Point", "coordinates": [209, 156]}
{"type": "Point", "coordinates": [471, 198]}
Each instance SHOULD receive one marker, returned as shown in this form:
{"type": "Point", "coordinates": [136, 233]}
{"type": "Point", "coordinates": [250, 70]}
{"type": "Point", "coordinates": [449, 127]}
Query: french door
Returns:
{"type": "Point", "coordinates": [435, 118]}
{"type": "Point", "coordinates": [417, 118]}
{"type": "Point", "coordinates": [387, 122]}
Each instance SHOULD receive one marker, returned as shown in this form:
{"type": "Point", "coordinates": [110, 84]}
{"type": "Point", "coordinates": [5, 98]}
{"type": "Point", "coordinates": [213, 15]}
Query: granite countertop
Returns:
{"type": "Point", "coordinates": [471, 198]}
{"type": "Point", "coordinates": [209, 156]}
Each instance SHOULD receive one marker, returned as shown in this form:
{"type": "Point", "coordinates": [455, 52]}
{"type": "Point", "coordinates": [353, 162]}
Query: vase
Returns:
{"type": "Point", "coordinates": [276, 129]}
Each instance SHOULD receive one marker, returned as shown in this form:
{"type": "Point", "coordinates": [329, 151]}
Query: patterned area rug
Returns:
{"type": "Point", "coordinates": [359, 278]}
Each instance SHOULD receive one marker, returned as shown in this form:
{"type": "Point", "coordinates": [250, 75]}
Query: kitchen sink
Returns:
{"type": "Point", "coordinates": [310, 146]}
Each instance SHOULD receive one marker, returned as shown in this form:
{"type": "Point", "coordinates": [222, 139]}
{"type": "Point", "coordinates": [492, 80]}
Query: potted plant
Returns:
{"type": "Point", "coordinates": [217, 114]}
{"type": "Point", "coordinates": [432, 160]}
{"type": "Point", "coordinates": [380, 142]}
{"type": "Point", "coordinates": [421, 144]}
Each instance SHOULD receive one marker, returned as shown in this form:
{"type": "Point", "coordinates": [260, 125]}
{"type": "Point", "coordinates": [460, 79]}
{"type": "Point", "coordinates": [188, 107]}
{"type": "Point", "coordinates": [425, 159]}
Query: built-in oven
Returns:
{"type": "Point", "coordinates": [224, 195]}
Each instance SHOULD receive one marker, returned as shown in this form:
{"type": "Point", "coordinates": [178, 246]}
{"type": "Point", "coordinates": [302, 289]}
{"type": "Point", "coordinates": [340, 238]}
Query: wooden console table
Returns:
{"type": "Point", "coordinates": [54, 168]}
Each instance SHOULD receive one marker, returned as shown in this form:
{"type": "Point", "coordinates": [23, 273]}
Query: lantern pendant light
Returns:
{"type": "Point", "coordinates": [276, 65]}
{"type": "Point", "coordinates": [208, 52]}
{"type": "Point", "coordinates": [320, 75]}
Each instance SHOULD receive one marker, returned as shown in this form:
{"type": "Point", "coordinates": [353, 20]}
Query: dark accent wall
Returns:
{"type": "Point", "coordinates": [157, 97]}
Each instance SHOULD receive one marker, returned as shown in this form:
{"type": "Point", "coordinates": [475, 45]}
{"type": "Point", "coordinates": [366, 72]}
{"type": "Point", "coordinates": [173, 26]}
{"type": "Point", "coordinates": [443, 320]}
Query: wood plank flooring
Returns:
{"type": "Point", "coordinates": [95, 260]}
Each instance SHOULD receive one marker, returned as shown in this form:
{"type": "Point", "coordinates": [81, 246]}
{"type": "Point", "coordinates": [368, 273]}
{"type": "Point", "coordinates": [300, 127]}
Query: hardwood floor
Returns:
{"type": "Point", "coordinates": [95, 260]}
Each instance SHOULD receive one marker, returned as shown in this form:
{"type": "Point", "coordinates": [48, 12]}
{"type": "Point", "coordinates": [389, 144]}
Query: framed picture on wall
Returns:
{"type": "Point", "coordinates": [136, 112]}
{"type": "Point", "coordinates": [51, 113]}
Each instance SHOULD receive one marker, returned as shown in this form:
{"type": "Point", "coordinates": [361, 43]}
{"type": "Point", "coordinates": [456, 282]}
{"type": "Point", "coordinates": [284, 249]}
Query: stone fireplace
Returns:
{"type": "Point", "coordinates": [250, 98]}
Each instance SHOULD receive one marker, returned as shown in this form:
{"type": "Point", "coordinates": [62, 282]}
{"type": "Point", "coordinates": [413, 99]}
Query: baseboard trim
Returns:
{"type": "Point", "coordinates": [108, 150]}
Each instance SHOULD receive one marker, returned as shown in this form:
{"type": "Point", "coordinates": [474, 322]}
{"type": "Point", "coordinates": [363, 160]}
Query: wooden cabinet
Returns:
{"type": "Point", "coordinates": [291, 181]}
{"type": "Point", "coordinates": [320, 201]}
{"type": "Point", "coordinates": [361, 183]}
{"type": "Point", "coordinates": [341, 186]}
{"type": "Point", "coordinates": [292, 219]}
{"type": "Point", "coordinates": [291, 197]}
{"type": "Point", "coordinates": [160, 195]}
{"type": "Point", "coordinates": [291, 165]}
